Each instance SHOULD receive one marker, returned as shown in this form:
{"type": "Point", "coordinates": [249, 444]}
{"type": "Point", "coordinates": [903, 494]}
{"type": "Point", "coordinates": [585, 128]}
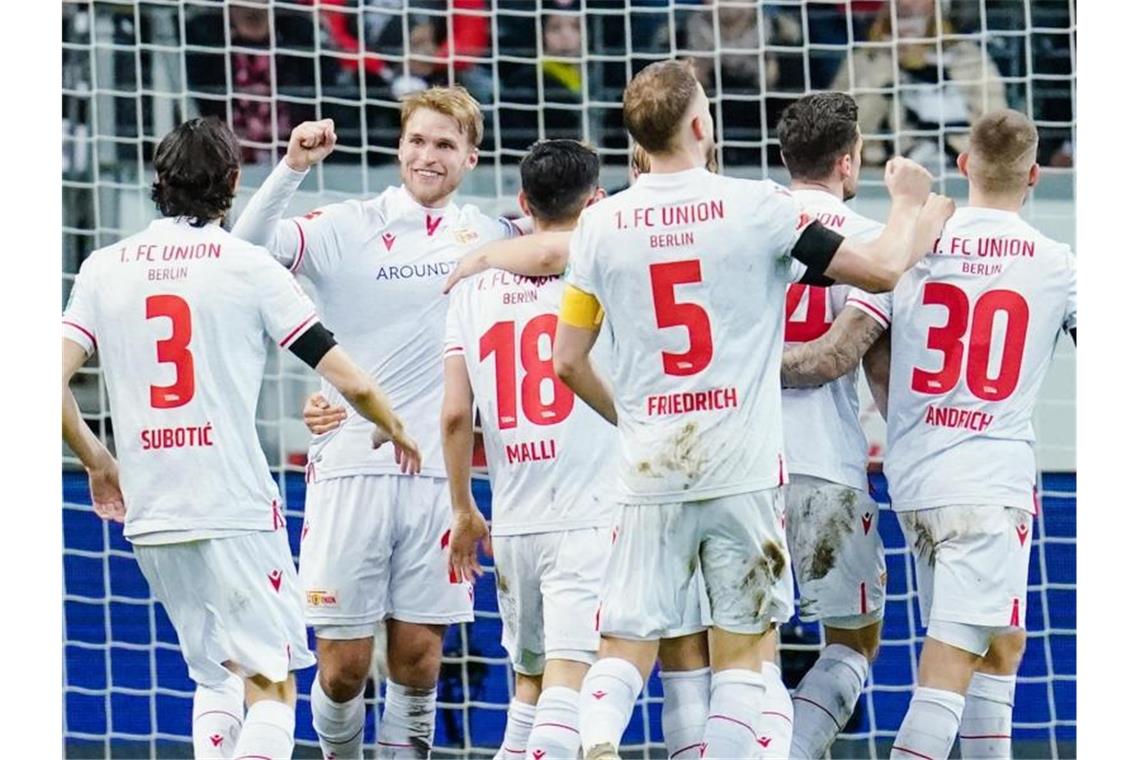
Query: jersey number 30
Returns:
{"type": "Point", "coordinates": [947, 340]}
{"type": "Point", "coordinates": [500, 341]}
{"type": "Point", "coordinates": [173, 350]}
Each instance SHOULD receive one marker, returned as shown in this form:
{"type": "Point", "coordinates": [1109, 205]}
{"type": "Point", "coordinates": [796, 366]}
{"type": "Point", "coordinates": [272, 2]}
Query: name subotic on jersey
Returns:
{"type": "Point", "coordinates": [179, 316]}
{"type": "Point", "coordinates": [691, 269]}
{"type": "Point", "coordinates": [975, 326]}
{"type": "Point", "coordinates": [550, 456]}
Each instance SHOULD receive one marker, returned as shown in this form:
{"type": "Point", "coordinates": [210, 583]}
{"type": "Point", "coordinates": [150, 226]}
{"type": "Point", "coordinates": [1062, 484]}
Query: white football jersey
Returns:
{"type": "Point", "coordinates": [975, 325]}
{"type": "Point", "coordinates": [822, 433]}
{"type": "Point", "coordinates": [691, 268]}
{"type": "Point", "coordinates": [549, 455]}
{"type": "Point", "coordinates": [377, 267]}
{"type": "Point", "coordinates": [179, 315]}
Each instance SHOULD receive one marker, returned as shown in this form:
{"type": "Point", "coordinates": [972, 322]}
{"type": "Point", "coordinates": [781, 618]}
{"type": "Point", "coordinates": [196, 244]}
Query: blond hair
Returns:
{"type": "Point", "coordinates": [1003, 149]}
{"type": "Point", "coordinates": [453, 101]}
{"type": "Point", "coordinates": [639, 161]}
{"type": "Point", "coordinates": [655, 102]}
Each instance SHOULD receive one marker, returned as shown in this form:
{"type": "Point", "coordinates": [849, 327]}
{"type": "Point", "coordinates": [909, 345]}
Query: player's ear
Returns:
{"type": "Point", "coordinates": [472, 158]}
{"type": "Point", "coordinates": [1034, 174]}
{"type": "Point", "coordinates": [962, 159]}
{"type": "Point", "coordinates": [524, 205]}
{"type": "Point", "coordinates": [845, 162]}
{"type": "Point", "coordinates": [235, 180]}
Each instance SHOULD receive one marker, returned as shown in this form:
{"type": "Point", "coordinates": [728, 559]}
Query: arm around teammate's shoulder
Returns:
{"type": "Point", "coordinates": [534, 255]}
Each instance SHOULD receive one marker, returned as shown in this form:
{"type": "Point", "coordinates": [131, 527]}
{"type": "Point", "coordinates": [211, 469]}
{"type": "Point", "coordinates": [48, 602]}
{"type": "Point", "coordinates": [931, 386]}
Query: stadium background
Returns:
{"type": "Point", "coordinates": [132, 70]}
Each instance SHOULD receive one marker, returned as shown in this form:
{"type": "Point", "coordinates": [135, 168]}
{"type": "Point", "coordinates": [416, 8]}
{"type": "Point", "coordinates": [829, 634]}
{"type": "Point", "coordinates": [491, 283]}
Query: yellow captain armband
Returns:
{"type": "Point", "coordinates": [580, 309]}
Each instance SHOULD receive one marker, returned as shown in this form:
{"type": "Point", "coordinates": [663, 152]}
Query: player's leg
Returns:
{"type": "Point", "coordinates": [975, 560]}
{"type": "Point", "coordinates": [270, 720]}
{"type": "Point", "coordinates": [685, 677]}
{"type": "Point", "coordinates": [839, 563]}
{"type": "Point", "coordinates": [425, 599]}
{"type": "Point", "coordinates": [520, 717]}
{"type": "Point", "coordinates": [652, 566]}
{"type": "Point", "coordinates": [344, 572]}
{"type": "Point", "coordinates": [567, 572]}
{"type": "Point", "coordinates": [218, 714]}
{"type": "Point", "coordinates": [518, 592]}
{"type": "Point", "coordinates": [746, 568]}
{"type": "Point", "coordinates": [987, 720]}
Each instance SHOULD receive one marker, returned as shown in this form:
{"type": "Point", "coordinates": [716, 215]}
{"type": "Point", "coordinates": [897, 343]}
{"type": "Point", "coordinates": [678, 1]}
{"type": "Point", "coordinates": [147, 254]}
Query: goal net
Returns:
{"type": "Point", "coordinates": [549, 68]}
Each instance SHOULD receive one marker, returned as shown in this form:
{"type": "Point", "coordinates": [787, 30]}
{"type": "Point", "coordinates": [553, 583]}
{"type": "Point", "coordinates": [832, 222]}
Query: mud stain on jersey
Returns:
{"type": "Point", "coordinates": [501, 583]}
{"type": "Point", "coordinates": [924, 544]}
{"type": "Point", "coordinates": [837, 525]}
{"type": "Point", "coordinates": [683, 454]}
{"type": "Point", "coordinates": [762, 573]}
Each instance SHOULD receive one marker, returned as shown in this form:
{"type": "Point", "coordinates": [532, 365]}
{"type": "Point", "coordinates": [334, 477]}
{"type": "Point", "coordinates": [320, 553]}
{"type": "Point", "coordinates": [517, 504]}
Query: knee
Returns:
{"type": "Point", "coordinates": [415, 661]}
{"type": "Point", "coordinates": [1005, 652]}
{"type": "Point", "coordinates": [342, 675]}
{"type": "Point", "coordinates": [863, 640]}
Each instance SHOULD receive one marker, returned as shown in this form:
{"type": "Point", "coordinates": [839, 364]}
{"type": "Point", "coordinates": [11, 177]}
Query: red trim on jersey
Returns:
{"type": "Point", "coordinates": [83, 330]}
{"type": "Point", "coordinates": [870, 307]}
{"type": "Point", "coordinates": [911, 752]}
{"type": "Point", "coordinates": [1036, 501]}
{"type": "Point", "coordinates": [297, 330]}
{"type": "Point", "coordinates": [300, 250]}
{"type": "Point", "coordinates": [780, 464]}
{"type": "Point", "coordinates": [862, 597]}
{"type": "Point", "coordinates": [817, 704]}
{"type": "Point", "coordinates": [453, 350]}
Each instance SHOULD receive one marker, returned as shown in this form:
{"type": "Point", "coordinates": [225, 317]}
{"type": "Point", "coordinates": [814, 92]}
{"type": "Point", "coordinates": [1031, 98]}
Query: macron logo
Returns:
{"type": "Point", "coordinates": [431, 225]}
{"type": "Point", "coordinates": [275, 580]}
{"type": "Point", "coordinates": [765, 741]}
{"type": "Point", "coordinates": [866, 523]}
{"type": "Point", "coordinates": [216, 740]}
{"type": "Point", "coordinates": [388, 239]}
{"type": "Point", "coordinates": [598, 694]}
{"type": "Point", "coordinates": [1022, 533]}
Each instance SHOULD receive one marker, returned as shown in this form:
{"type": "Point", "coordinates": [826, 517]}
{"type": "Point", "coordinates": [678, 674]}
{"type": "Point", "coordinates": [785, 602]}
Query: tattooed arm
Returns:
{"type": "Point", "coordinates": [877, 369]}
{"type": "Point", "coordinates": [832, 355]}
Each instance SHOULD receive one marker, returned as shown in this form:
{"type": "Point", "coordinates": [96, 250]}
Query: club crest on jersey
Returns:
{"type": "Point", "coordinates": [320, 598]}
{"type": "Point", "coordinates": [388, 239]}
{"type": "Point", "coordinates": [464, 235]}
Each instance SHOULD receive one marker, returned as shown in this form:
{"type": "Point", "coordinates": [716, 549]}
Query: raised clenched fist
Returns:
{"type": "Point", "coordinates": [309, 144]}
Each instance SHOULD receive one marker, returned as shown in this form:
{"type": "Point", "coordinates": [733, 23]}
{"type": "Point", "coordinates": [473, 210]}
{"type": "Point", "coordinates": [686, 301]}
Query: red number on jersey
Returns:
{"type": "Point", "coordinates": [500, 340]}
{"type": "Point", "coordinates": [671, 313]}
{"type": "Point", "coordinates": [815, 322]}
{"type": "Point", "coordinates": [173, 350]}
{"type": "Point", "coordinates": [947, 339]}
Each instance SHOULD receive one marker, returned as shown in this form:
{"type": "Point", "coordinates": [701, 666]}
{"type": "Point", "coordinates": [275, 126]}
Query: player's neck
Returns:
{"type": "Point", "coordinates": [999, 201]}
{"type": "Point", "coordinates": [437, 203]}
{"type": "Point", "coordinates": [567, 226]}
{"type": "Point", "coordinates": [830, 187]}
{"type": "Point", "coordinates": [681, 160]}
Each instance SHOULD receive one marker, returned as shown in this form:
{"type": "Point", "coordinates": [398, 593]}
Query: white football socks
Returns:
{"type": "Point", "coordinates": [339, 725]}
{"type": "Point", "coordinates": [407, 726]}
{"type": "Point", "coordinates": [520, 718]}
{"type": "Point", "coordinates": [218, 714]}
{"type": "Point", "coordinates": [555, 732]}
{"type": "Point", "coordinates": [685, 711]}
{"type": "Point", "coordinates": [930, 725]}
{"type": "Point", "coordinates": [825, 699]}
{"type": "Point", "coordinates": [267, 733]}
{"type": "Point", "coordinates": [735, 701]}
{"type": "Point", "coordinates": [987, 720]}
{"type": "Point", "coordinates": [774, 731]}
{"type": "Point", "coordinates": [605, 704]}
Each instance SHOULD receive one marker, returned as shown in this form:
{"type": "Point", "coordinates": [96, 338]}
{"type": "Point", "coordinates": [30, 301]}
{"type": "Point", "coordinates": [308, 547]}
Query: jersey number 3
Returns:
{"type": "Point", "coordinates": [173, 350]}
{"type": "Point", "coordinates": [976, 353]}
{"type": "Point", "coordinates": [500, 341]}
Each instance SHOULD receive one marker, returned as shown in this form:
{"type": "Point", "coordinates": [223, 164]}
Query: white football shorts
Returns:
{"type": "Point", "coordinates": [837, 554]}
{"type": "Point", "coordinates": [236, 599]}
{"type": "Point", "coordinates": [971, 567]}
{"type": "Point", "coordinates": [375, 547]}
{"type": "Point", "coordinates": [661, 552]}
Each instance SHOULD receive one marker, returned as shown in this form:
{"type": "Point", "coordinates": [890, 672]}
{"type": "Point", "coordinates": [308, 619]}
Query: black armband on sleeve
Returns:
{"type": "Point", "coordinates": [813, 277]}
{"type": "Point", "coordinates": [313, 344]}
{"type": "Point", "coordinates": [817, 246]}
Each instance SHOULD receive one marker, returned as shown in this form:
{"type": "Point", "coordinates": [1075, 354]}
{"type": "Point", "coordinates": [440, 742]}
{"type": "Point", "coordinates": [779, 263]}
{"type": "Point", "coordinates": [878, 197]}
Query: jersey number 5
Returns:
{"type": "Point", "coordinates": [500, 341]}
{"type": "Point", "coordinates": [173, 350]}
{"type": "Point", "coordinates": [947, 340]}
{"type": "Point", "coordinates": [672, 313]}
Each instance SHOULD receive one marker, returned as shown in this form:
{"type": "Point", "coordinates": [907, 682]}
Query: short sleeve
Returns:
{"type": "Point", "coordinates": [453, 334]}
{"type": "Point", "coordinates": [580, 263]}
{"type": "Point", "coordinates": [79, 314]}
{"type": "Point", "coordinates": [322, 235]}
{"type": "Point", "coordinates": [875, 305]}
{"type": "Point", "coordinates": [286, 312]}
{"type": "Point", "coordinates": [1070, 322]}
{"type": "Point", "coordinates": [787, 220]}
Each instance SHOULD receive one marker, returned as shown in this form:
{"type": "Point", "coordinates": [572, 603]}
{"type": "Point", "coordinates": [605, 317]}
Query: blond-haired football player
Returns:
{"type": "Point", "coordinates": [375, 549]}
{"type": "Point", "coordinates": [179, 314]}
{"type": "Point", "coordinates": [691, 269]}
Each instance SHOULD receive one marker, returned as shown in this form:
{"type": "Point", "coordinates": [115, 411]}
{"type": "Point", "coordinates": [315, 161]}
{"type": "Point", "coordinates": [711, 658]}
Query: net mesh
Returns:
{"type": "Point", "coordinates": [556, 68]}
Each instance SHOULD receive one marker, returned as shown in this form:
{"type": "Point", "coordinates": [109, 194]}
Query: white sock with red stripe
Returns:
{"type": "Point", "coordinates": [339, 725]}
{"type": "Point", "coordinates": [931, 723]}
{"type": "Point", "coordinates": [987, 720]}
{"type": "Point", "coordinates": [774, 731]}
{"type": "Point", "coordinates": [268, 732]}
{"type": "Point", "coordinates": [555, 732]}
{"type": "Point", "coordinates": [605, 704]}
{"type": "Point", "coordinates": [735, 699]}
{"type": "Point", "coordinates": [218, 714]}
{"type": "Point", "coordinates": [520, 718]}
{"type": "Point", "coordinates": [825, 699]}
{"type": "Point", "coordinates": [685, 711]}
{"type": "Point", "coordinates": [407, 726]}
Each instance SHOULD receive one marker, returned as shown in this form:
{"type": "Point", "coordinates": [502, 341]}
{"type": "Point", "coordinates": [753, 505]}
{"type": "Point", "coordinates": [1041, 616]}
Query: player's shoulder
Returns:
{"type": "Point", "coordinates": [473, 224]}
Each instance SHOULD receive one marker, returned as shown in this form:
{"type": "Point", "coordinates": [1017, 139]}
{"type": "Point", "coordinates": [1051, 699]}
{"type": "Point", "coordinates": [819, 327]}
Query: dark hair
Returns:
{"type": "Point", "coordinates": [815, 131]}
{"type": "Point", "coordinates": [656, 100]}
{"type": "Point", "coordinates": [557, 178]}
{"type": "Point", "coordinates": [195, 167]}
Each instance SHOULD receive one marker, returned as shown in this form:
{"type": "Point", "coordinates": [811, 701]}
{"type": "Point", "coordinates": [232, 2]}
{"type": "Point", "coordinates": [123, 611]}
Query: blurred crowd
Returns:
{"type": "Point", "coordinates": [921, 70]}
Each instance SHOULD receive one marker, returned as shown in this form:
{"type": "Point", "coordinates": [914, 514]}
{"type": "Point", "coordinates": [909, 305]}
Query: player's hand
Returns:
{"type": "Point", "coordinates": [407, 451]}
{"type": "Point", "coordinates": [471, 264]}
{"type": "Point", "coordinates": [309, 144]}
{"type": "Point", "coordinates": [931, 220]}
{"type": "Point", "coordinates": [106, 496]}
{"type": "Point", "coordinates": [320, 416]}
{"type": "Point", "coordinates": [468, 529]}
{"type": "Point", "coordinates": [907, 181]}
